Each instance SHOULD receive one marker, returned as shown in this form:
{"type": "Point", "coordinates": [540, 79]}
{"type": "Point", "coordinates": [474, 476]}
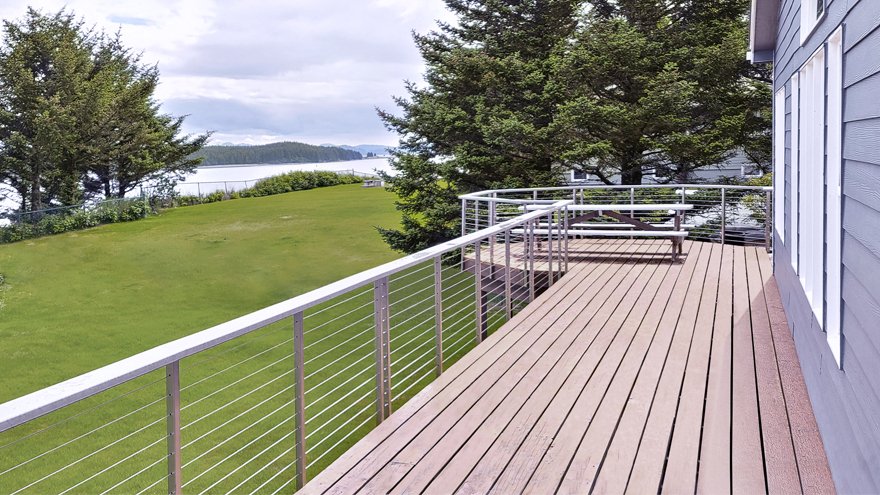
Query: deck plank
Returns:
{"type": "Point", "coordinates": [714, 473]}
{"type": "Point", "coordinates": [684, 448]}
{"type": "Point", "coordinates": [815, 474]}
{"type": "Point", "coordinates": [614, 338]}
{"type": "Point", "coordinates": [581, 473]}
{"type": "Point", "coordinates": [747, 460]}
{"type": "Point", "coordinates": [647, 470]}
{"type": "Point", "coordinates": [630, 373]}
{"type": "Point", "coordinates": [458, 464]}
{"type": "Point", "coordinates": [779, 458]}
{"type": "Point", "coordinates": [428, 457]}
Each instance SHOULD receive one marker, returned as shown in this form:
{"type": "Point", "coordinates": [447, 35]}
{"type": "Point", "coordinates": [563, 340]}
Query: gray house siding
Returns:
{"type": "Point", "coordinates": [847, 401]}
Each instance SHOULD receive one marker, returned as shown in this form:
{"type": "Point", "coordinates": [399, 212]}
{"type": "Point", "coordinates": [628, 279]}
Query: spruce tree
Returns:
{"type": "Point", "coordinates": [483, 117]}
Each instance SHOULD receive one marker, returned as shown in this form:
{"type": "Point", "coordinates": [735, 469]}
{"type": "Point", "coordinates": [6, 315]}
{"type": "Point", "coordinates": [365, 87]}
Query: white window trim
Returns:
{"type": "Point", "coordinates": [795, 170]}
{"type": "Point", "coordinates": [779, 163]}
{"type": "Point", "coordinates": [809, 19]}
{"type": "Point", "coordinates": [834, 194]}
{"type": "Point", "coordinates": [812, 194]}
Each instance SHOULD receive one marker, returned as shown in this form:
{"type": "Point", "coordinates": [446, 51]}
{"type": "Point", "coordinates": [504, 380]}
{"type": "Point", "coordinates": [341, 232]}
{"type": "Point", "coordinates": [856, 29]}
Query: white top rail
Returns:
{"type": "Point", "coordinates": [28, 407]}
{"type": "Point", "coordinates": [482, 195]}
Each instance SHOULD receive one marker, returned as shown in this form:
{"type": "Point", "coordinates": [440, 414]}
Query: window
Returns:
{"type": "Point", "coordinates": [779, 163]}
{"type": "Point", "coordinates": [750, 170]}
{"type": "Point", "coordinates": [833, 193]}
{"type": "Point", "coordinates": [812, 181]}
{"type": "Point", "coordinates": [811, 12]}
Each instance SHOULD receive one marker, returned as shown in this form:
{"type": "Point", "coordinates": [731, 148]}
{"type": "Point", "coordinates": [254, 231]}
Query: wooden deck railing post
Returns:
{"type": "Point", "coordinates": [383, 351]}
{"type": "Point", "coordinates": [438, 315]}
{"type": "Point", "coordinates": [172, 420]}
{"type": "Point", "coordinates": [300, 400]}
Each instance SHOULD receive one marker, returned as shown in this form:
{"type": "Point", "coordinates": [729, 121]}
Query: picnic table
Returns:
{"type": "Point", "coordinates": [618, 212]}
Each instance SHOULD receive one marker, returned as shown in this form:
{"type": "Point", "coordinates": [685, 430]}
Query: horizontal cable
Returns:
{"type": "Point", "coordinates": [227, 404]}
{"type": "Point", "coordinates": [337, 346]}
{"type": "Point", "coordinates": [258, 471]}
{"type": "Point", "coordinates": [416, 370]}
{"type": "Point", "coordinates": [74, 463]}
{"type": "Point", "coordinates": [353, 430]}
{"type": "Point", "coordinates": [133, 454]}
{"type": "Point", "coordinates": [333, 376]}
{"type": "Point", "coordinates": [337, 332]}
{"type": "Point", "coordinates": [340, 385]}
{"type": "Point", "coordinates": [340, 399]}
{"type": "Point", "coordinates": [237, 364]}
{"type": "Point", "coordinates": [135, 475]}
{"type": "Point", "coordinates": [333, 320]}
{"type": "Point", "coordinates": [236, 382]}
{"type": "Point", "coordinates": [240, 449]}
{"type": "Point", "coordinates": [413, 384]}
{"type": "Point", "coordinates": [340, 413]}
{"type": "Point", "coordinates": [81, 436]}
{"type": "Point", "coordinates": [252, 459]}
{"type": "Point", "coordinates": [280, 471]}
{"type": "Point", "coordinates": [237, 416]}
{"type": "Point", "coordinates": [71, 418]}
{"type": "Point", "coordinates": [340, 358]}
{"type": "Point", "coordinates": [355, 296]}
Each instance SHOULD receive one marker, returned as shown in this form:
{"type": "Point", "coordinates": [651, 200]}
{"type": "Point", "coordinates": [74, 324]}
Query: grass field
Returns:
{"type": "Point", "coordinates": [74, 302]}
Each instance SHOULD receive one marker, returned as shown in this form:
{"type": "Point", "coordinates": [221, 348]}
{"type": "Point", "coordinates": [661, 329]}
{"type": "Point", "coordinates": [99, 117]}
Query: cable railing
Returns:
{"type": "Point", "coordinates": [727, 214]}
{"type": "Point", "coordinates": [261, 403]}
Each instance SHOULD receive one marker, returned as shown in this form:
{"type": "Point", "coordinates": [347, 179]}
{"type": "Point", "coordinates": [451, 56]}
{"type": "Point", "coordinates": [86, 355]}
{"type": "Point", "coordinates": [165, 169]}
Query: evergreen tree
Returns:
{"type": "Point", "coordinates": [483, 118]}
{"type": "Point", "coordinates": [77, 115]}
{"type": "Point", "coordinates": [660, 86]}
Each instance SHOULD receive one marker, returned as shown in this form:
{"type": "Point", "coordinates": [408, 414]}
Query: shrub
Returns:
{"type": "Point", "coordinates": [107, 212]}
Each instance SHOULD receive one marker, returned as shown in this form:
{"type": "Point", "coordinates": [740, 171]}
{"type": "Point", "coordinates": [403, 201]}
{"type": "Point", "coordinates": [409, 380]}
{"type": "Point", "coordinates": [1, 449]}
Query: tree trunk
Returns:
{"type": "Point", "coordinates": [631, 175]}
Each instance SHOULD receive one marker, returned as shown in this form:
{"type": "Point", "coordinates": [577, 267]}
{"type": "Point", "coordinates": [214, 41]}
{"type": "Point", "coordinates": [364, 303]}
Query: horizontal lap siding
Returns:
{"type": "Point", "coordinates": [847, 403]}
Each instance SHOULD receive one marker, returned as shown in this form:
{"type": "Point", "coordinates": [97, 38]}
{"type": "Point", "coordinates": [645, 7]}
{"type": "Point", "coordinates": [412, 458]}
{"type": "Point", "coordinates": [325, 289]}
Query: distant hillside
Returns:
{"type": "Point", "coordinates": [363, 149]}
{"type": "Point", "coordinates": [286, 152]}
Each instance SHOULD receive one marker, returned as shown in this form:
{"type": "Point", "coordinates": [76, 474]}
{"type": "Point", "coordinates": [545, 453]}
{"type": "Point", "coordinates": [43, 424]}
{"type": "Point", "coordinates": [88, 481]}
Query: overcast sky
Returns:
{"type": "Point", "coordinates": [270, 70]}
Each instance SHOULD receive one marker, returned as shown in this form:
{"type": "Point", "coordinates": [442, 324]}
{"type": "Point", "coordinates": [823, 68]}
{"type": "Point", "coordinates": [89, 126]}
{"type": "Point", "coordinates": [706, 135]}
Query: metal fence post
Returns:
{"type": "Point", "coordinates": [530, 229]}
{"type": "Point", "coordinates": [723, 215]}
{"type": "Point", "coordinates": [550, 249]}
{"type": "Point", "coordinates": [508, 297]}
{"type": "Point", "coordinates": [383, 358]}
{"type": "Point", "coordinates": [768, 214]}
{"type": "Point", "coordinates": [566, 239]}
{"type": "Point", "coordinates": [299, 402]}
{"type": "Point", "coordinates": [492, 239]}
{"type": "Point", "coordinates": [438, 315]}
{"type": "Point", "coordinates": [172, 406]}
{"type": "Point", "coordinates": [480, 315]}
{"type": "Point", "coordinates": [463, 217]}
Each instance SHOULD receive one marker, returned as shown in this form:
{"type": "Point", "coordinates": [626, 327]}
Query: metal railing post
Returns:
{"type": "Point", "coordinates": [463, 226]}
{"type": "Point", "coordinates": [299, 401]}
{"type": "Point", "coordinates": [550, 249]}
{"type": "Point", "coordinates": [172, 420]}
{"type": "Point", "coordinates": [768, 214]}
{"type": "Point", "coordinates": [559, 255]}
{"type": "Point", "coordinates": [508, 297]}
{"type": "Point", "coordinates": [480, 315]}
{"type": "Point", "coordinates": [383, 371]}
{"type": "Point", "coordinates": [530, 228]}
{"type": "Point", "coordinates": [566, 239]}
{"type": "Point", "coordinates": [438, 315]}
{"type": "Point", "coordinates": [723, 215]}
{"type": "Point", "coordinates": [492, 239]}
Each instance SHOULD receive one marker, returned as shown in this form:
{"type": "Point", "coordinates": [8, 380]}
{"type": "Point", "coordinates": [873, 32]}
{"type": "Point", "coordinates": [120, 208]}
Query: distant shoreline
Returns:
{"type": "Point", "coordinates": [236, 165]}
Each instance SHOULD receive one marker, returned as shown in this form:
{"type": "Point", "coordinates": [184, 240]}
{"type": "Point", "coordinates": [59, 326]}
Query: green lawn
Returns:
{"type": "Point", "coordinates": [74, 302]}
{"type": "Point", "coordinates": [77, 301]}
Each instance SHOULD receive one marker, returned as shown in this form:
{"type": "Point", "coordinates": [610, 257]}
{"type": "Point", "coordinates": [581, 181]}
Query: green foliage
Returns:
{"type": "Point", "coordinates": [285, 152]}
{"type": "Point", "coordinates": [77, 219]}
{"type": "Point", "coordinates": [298, 181]}
{"type": "Point", "coordinates": [77, 115]}
{"type": "Point", "coordinates": [483, 119]}
{"type": "Point", "coordinates": [666, 89]}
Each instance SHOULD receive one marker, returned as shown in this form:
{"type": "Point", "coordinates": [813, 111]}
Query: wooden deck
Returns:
{"type": "Point", "coordinates": [631, 374]}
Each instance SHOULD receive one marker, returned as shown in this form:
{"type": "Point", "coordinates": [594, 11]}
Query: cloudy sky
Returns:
{"type": "Point", "coordinates": [269, 70]}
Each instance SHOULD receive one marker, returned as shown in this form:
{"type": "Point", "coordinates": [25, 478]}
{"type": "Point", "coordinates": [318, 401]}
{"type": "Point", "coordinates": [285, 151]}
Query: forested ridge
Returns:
{"type": "Point", "coordinates": [284, 152]}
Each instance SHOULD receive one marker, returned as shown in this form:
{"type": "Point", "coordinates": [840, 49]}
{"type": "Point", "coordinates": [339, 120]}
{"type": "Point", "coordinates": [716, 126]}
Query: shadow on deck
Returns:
{"type": "Point", "coordinates": [630, 374]}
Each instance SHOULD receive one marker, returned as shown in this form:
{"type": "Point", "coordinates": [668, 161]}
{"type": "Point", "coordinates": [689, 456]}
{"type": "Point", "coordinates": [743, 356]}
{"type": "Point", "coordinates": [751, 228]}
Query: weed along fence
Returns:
{"type": "Point", "coordinates": [728, 214]}
{"type": "Point", "coordinates": [261, 403]}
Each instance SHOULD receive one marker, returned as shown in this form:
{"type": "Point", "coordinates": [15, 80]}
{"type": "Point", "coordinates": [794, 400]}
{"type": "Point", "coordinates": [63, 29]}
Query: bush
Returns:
{"type": "Point", "coordinates": [107, 212]}
{"type": "Point", "coordinates": [297, 181]}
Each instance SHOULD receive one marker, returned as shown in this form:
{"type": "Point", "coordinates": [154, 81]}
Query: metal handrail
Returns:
{"type": "Point", "coordinates": [47, 400]}
{"type": "Point", "coordinates": [482, 195]}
